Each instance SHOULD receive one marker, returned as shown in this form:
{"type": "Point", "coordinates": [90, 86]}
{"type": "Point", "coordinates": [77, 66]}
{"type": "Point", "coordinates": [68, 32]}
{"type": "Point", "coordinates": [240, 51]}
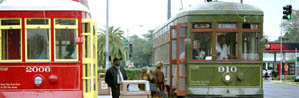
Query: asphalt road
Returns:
{"type": "Point", "coordinates": [271, 90]}
{"type": "Point", "coordinates": [275, 90]}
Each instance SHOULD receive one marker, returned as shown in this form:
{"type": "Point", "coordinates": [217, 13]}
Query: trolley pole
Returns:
{"type": "Point", "coordinates": [107, 36]}
{"type": "Point", "coordinates": [169, 9]}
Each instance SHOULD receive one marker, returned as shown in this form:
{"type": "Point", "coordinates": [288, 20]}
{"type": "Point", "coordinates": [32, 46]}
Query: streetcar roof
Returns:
{"type": "Point", "coordinates": [42, 5]}
{"type": "Point", "coordinates": [217, 8]}
{"type": "Point", "coordinates": [222, 8]}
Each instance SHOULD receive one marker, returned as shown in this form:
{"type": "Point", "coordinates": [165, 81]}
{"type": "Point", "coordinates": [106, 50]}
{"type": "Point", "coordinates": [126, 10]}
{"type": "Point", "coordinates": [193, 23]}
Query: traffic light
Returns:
{"type": "Point", "coordinates": [130, 50]}
{"type": "Point", "coordinates": [287, 12]}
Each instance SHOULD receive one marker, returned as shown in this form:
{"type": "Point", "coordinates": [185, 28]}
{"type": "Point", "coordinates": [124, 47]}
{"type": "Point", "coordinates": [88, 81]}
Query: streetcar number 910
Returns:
{"type": "Point", "coordinates": [38, 69]}
{"type": "Point", "coordinates": [227, 69]}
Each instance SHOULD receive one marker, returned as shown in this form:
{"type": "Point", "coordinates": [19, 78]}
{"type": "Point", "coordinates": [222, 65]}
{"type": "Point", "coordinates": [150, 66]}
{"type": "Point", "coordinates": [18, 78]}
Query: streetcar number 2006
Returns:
{"type": "Point", "coordinates": [38, 69]}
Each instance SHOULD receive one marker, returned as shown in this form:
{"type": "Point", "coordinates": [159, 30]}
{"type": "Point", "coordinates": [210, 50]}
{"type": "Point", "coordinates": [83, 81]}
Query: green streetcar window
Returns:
{"type": "Point", "coordinates": [227, 26]}
{"type": "Point", "coordinates": [201, 26]}
{"type": "Point", "coordinates": [250, 42]}
{"type": "Point", "coordinates": [201, 46]}
{"type": "Point", "coordinates": [250, 26]}
{"type": "Point", "coordinates": [226, 46]}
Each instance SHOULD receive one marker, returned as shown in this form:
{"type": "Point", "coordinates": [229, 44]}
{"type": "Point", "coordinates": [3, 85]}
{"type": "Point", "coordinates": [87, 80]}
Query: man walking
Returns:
{"type": "Point", "coordinates": [114, 75]}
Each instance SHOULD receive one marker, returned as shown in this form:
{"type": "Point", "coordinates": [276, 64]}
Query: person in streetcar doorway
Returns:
{"type": "Point", "coordinates": [114, 76]}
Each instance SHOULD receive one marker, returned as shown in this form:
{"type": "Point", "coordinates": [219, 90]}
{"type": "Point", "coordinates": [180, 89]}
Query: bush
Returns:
{"type": "Point", "coordinates": [133, 74]}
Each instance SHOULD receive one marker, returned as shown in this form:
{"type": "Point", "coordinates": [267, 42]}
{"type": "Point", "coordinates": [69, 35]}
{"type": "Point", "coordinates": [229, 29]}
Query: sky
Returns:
{"type": "Point", "coordinates": [139, 16]}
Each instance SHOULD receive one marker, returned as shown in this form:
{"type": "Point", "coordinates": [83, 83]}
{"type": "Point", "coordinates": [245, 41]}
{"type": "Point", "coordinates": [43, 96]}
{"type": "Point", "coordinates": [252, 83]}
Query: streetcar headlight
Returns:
{"type": "Point", "coordinates": [227, 77]}
{"type": "Point", "coordinates": [38, 80]}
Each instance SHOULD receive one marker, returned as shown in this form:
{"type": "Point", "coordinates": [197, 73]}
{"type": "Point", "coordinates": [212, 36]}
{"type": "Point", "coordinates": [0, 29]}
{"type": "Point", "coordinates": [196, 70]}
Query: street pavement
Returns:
{"type": "Point", "coordinates": [272, 89]}
{"type": "Point", "coordinates": [275, 89]}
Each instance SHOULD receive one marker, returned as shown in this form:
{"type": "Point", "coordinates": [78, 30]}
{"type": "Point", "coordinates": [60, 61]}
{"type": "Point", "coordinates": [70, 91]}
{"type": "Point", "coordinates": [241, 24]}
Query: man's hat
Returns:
{"type": "Point", "coordinates": [116, 59]}
{"type": "Point", "coordinates": [159, 64]}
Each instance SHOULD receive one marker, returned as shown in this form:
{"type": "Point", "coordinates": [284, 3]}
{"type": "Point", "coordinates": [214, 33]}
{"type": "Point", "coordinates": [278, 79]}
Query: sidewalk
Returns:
{"type": "Point", "coordinates": [288, 82]}
{"type": "Point", "coordinates": [105, 96]}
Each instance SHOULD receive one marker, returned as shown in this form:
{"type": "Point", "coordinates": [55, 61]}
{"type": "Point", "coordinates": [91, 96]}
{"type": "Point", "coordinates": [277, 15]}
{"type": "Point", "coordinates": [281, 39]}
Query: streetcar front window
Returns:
{"type": "Point", "coordinates": [250, 43]}
{"type": "Point", "coordinates": [38, 43]}
{"type": "Point", "coordinates": [37, 21]}
{"type": "Point", "coordinates": [201, 46]}
{"type": "Point", "coordinates": [65, 22]}
{"type": "Point", "coordinates": [11, 44]}
{"type": "Point", "coordinates": [10, 22]}
{"type": "Point", "coordinates": [65, 44]}
{"type": "Point", "coordinates": [226, 45]}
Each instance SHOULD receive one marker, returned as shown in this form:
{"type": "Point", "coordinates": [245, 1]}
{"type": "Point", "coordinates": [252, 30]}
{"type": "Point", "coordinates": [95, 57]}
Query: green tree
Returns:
{"type": "Point", "coordinates": [142, 49]}
{"type": "Point", "coordinates": [291, 29]}
{"type": "Point", "coordinates": [116, 47]}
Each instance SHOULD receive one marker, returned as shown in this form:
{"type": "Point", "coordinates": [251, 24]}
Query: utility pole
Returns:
{"type": "Point", "coordinates": [281, 57]}
{"type": "Point", "coordinates": [296, 72]}
{"type": "Point", "coordinates": [169, 9]}
{"type": "Point", "coordinates": [107, 36]}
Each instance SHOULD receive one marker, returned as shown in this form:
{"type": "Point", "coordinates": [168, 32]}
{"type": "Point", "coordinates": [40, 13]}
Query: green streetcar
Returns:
{"type": "Point", "coordinates": [212, 50]}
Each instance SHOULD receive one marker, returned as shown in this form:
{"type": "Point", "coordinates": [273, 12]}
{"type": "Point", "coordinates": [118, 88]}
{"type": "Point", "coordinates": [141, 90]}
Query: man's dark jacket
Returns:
{"type": "Point", "coordinates": [111, 76]}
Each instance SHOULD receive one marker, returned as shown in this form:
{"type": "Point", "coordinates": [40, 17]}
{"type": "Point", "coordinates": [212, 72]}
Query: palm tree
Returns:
{"type": "Point", "coordinates": [116, 44]}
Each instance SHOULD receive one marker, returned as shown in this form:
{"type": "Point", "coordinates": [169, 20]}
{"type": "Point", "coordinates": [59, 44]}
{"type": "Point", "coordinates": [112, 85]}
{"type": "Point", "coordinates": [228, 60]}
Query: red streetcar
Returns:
{"type": "Point", "coordinates": [47, 50]}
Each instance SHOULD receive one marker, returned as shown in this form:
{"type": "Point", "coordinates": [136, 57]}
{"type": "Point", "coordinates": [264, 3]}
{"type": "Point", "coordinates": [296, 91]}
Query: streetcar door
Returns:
{"type": "Point", "coordinates": [181, 59]}
{"type": "Point", "coordinates": [89, 59]}
{"type": "Point", "coordinates": [178, 59]}
{"type": "Point", "coordinates": [173, 61]}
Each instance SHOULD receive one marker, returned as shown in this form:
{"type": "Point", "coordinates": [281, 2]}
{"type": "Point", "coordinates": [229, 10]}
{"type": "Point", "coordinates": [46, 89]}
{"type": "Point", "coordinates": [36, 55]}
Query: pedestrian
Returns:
{"type": "Point", "coordinates": [160, 79]}
{"type": "Point", "coordinates": [266, 74]}
{"type": "Point", "coordinates": [114, 76]}
{"type": "Point", "coordinates": [145, 75]}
